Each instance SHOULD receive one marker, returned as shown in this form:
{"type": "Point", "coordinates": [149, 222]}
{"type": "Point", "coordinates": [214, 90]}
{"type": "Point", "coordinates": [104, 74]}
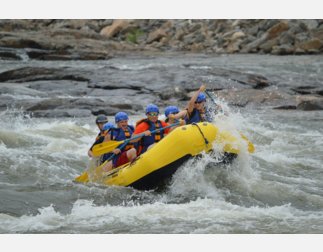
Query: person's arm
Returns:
{"type": "Point", "coordinates": [141, 129]}
{"type": "Point", "coordinates": [191, 103]}
{"type": "Point", "coordinates": [180, 114]}
{"type": "Point", "coordinates": [165, 124]}
{"type": "Point", "coordinates": [90, 153]}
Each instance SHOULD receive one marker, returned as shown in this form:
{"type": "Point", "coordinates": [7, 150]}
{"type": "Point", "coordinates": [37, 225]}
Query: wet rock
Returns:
{"type": "Point", "coordinates": [282, 50]}
{"type": "Point", "coordinates": [310, 24]}
{"type": "Point", "coordinates": [266, 24]}
{"type": "Point", "coordinates": [253, 46]}
{"type": "Point", "coordinates": [268, 45]}
{"type": "Point", "coordinates": [253, 80]}
{"type": "Point", "coordinates": [109, 111]}
{"type": "Point", "coordinates": [19, 42]}
{"type": "Point", "coordinates": [276, 30]}
{"type": "Point", "coordinates": [60, 87]}
{"type": "Point", "coordinates": [87, 103]}
{"type": "Point", "coordinates": [237, 35]}
{"type": "Point", "coordinates": [59, 113]}
{"type": "Point", "coordinates": [27, 74]}
{"type": "Point", "coordinates": [174, 92]}
{"type": "Point", "coordinates": [156, 35]}
{"type": "Point", "coordinates": [68, 55]}
{"type": "Point", "coordinates": [109, 93]}
{"type": "Point", "coordinates": [309, 103]}
{"type": "Point", "coordinates": [17, 89]}
{"type": "Point", "coordinates": [234, 46]}
{"type": "Point", "coordinates": [50, 104]}
{"type": "Point", "coordinates": [117, 26]}
{"type": "Point", "coordinates": [253, 97]}
{"type": "Point", "coordinates": [286, 38]}
{"type": "Point", "coordinates": [286, 107]}
{"type": "Point", "coordinates": [313, 44]}
{"type": "Point", "coordinates": [304, 90]}
{"type": "Point", "coordinates": [317, 33]}
{"type": "Point", "coordinates": [9, 56]}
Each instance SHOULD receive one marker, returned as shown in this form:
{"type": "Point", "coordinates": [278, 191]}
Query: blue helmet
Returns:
{"type": "Point", "coordinates": [201, 98]}
{"type": "Point", "coordinates": [152, 108]}
{"type": "Point", "coordinates": [107, 126]}
{"type": "Point", "coordinates": [171, 110]}
{"type": "Point", "coordinates": [101, 119]}
{"type": "Point", "coordinates": [121, 116]}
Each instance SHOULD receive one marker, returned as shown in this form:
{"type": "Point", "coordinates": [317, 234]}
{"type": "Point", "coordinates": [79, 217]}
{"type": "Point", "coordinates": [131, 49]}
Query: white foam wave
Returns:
{"type": "Point", "coordinates": [199, 216]}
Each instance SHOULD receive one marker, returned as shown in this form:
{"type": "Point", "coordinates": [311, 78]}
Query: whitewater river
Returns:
{"type": "Point", "coordinates": [278, 189]}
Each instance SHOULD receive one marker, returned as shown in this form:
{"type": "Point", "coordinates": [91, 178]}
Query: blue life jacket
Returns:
{"type": "Point", "coordinates": [118, 134]}
{"type": "Point", "coordinates": [146, 141]}
{"type": "Point", "coordinates": [195, 116]}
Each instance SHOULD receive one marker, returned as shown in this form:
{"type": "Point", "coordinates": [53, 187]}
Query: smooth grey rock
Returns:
{"type": "Point", "coordinates": [19, 89]}
{"type": "Point", "coordinates": [58, 113]}
{"type": "Point", "coordinates": [27, 74]}
{"type": "Point", "coordinates": [308, 105]}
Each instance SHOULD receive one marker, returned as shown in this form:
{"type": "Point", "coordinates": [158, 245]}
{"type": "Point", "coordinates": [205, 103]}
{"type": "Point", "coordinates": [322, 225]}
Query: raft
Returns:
{"type": "Point", "coordinates": [159, 163]}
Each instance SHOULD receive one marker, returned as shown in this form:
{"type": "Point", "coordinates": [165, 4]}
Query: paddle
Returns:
{"type": "Point", "coordinates": [109, 146]}
{"type": "Point", "coordinates": [251, 147]}
{"type": "Point", "coordinates": [213, 100]}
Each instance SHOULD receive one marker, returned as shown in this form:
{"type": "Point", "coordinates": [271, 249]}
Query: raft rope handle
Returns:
{"type": "Point", "coordinates": [205, 140]}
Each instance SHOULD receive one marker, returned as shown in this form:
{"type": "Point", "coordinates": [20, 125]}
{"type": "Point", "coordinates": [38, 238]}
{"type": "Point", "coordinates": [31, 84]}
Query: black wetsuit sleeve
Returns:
{"type": "Point", "coordinates": [100, 140]}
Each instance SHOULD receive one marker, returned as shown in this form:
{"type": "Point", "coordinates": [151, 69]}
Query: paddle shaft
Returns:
{"type": "Point", "coordinates": [154, 131]}
{"type": "Point", "coordinates": [209, 95]}
{"type": "Point", "coordinates": [213, 100]}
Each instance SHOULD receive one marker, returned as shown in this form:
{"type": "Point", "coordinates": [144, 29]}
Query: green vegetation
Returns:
{"type": "Point", "coordinates": [133, 35]}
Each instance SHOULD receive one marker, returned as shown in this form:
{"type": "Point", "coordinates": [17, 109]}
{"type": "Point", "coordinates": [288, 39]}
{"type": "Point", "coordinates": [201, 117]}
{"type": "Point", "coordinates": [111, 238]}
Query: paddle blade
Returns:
{"type": "Point", "coordinates": [105, 147]}
{"type": "Point", "coordinates": [251, 147]}
{"type": "Point", "coordinates": [230, 142]}
{"type": "Point", "coordinates": [83, 178]}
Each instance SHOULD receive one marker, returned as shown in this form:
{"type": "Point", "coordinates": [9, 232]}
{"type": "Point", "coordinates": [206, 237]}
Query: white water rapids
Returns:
{"type": "Point", "coordinates": [278, 189]}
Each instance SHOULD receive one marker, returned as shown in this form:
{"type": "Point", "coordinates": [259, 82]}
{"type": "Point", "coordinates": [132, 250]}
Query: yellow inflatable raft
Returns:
{"type": "Point", "coordinates": [161, 161]}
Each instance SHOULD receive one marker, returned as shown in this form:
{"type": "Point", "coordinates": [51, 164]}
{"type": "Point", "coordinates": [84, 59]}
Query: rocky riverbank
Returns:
{"type": "Point", "coordinates": [103, 39]}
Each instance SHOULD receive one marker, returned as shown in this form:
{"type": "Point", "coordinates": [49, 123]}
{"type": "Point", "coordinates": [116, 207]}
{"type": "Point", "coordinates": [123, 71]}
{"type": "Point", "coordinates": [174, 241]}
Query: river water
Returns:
{"type": "Point", "coordinates": [278, 189]}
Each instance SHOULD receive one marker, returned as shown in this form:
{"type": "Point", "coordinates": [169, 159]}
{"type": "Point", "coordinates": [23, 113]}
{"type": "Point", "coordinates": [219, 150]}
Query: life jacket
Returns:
{"type": "Point", "coordinates": [196, 116]}
{"type": "Point", "coordinates": [99, 138]}
{"type": "Point", "coordinates": [118, 134]}
{"type": "Point", "coordinates": [146, 141]}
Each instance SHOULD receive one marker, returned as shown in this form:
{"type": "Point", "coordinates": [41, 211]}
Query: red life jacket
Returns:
{"type": "Point", "coordinates": [146, 141]}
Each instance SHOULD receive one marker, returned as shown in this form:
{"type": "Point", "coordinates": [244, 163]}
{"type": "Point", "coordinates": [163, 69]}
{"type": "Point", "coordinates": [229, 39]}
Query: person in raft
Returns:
{"type": "Point", "coordinates": [100, 121]}
{"type": "Point", "coordinates": [196, 110]}
{"type": "Point", "coordinates": [146, 126]}
{"type": "Point", "coordinates": [123, 132]}
{"type": "Point", "coordinates": [107, 127]}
